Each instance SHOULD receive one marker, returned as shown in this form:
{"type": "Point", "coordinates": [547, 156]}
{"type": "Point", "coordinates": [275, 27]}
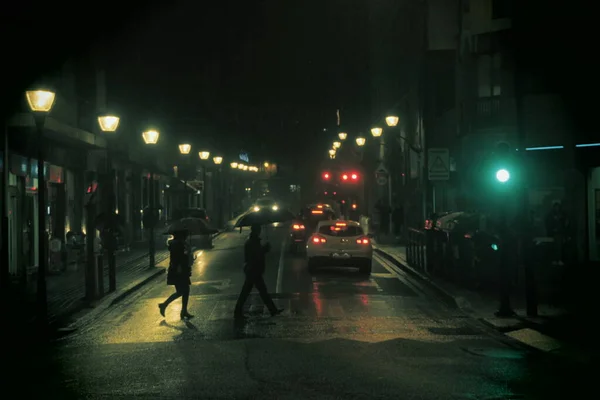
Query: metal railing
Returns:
{"type": "Point", "coordinates": [416, 249]}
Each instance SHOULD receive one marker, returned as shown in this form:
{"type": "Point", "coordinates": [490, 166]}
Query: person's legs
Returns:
{"type": "Point", "coordinates": [261, 286]}
{"type": "Point", "coordinates": [246, 289]}
{"type": "Point", "coordinates": [163, 306]}
{"type": "Point", "coordinates": [184, 290]}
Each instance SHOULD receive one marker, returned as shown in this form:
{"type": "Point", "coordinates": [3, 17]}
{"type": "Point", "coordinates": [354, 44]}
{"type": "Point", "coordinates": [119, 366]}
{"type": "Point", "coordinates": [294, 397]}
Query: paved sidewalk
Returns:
{"type": "Point", "coordinates": [538, 332]}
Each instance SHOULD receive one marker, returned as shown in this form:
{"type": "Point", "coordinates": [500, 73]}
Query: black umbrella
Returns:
{"type": "Point", "coordinates": [264, 217]}
{"type": "Point", "coordinates": [194, 226]}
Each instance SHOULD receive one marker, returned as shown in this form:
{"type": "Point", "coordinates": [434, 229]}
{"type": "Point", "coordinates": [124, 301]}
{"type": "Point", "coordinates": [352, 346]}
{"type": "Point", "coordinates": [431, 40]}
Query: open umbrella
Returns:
{"type": "Point", "coordinates": [264, 217]}
{"type": "Point", "coordinates": [194, 226]}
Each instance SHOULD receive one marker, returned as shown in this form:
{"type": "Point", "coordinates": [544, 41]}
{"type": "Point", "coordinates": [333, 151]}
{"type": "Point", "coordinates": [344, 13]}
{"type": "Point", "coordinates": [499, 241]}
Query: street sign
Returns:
{"type": "Point", "coordinates": [381, 170]}
{"type": "Point", "coordinates": [382, 179]}
{"type": "Point", "coordinates": [438, 164]}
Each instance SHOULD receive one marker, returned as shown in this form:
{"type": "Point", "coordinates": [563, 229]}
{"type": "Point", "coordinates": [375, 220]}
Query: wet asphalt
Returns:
{"type": "Point", "coordinates": [342, 335]}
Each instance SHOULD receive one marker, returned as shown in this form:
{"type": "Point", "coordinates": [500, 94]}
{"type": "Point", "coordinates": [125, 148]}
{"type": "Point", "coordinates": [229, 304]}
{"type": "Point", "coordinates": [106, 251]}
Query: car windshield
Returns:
{"type": "Point", "coordinates": [341, 230]}
{"type": "Point", "coordinates": [264, 202]}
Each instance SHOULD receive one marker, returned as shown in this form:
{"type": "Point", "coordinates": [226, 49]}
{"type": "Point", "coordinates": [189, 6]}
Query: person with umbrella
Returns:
{"type": "Point", "coordinates": [255, 263]}
{"type": "Point", "coordinates": [179, 273]}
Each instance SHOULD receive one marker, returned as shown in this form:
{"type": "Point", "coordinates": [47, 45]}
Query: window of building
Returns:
{"type": "Point", "coordinates": [501, 9]}
{"type": "Point", "coordinates": [489, 75]}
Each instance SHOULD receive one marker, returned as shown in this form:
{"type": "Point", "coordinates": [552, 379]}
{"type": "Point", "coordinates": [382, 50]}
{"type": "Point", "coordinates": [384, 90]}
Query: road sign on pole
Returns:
{"type": "Point", "coordinates": [382, 180]}
{"type": "Point", "coordinates": [438, 164]}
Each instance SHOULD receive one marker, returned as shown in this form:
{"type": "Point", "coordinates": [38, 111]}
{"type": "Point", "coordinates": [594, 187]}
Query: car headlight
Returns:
{"type": "Point", "coordinates": [275, 207]}
{"type": "Point", "coordinates": [256, 208]}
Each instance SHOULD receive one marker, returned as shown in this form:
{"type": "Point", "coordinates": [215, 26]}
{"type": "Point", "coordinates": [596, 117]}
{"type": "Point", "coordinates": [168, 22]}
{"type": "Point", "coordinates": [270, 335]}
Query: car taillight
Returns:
{"type": "Point", "coordinates": [363, 240]}
{"type": "Point", "coordinates": [318, 239]}
{"type": "Point", "coordinates": [298, 227]}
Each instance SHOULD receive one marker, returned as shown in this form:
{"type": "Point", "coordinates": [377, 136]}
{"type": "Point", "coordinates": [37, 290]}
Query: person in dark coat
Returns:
{"type": "Point", "coordinates": [178, 274]}
{"type": "Point", "coordinates": [254, 268]}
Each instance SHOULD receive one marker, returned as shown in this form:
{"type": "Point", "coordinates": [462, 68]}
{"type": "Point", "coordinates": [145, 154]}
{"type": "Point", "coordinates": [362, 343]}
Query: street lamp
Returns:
{"type": "Point", "coordinates": [266, 164]}
{"type": "Point", "coordinates": [151, 138]}
{"type": "Point", "coordinates": [204, 155]}
{"type": "Point", "coordinates": [337, 145]}
{"type": "Point", "coordinates": [110, 123]}
{"type": "Point", "coordinates": [391, 120]}
{"type": "Point", "coordinates": [240, 166]}
{"type": "Point", "coordinates": [502, 175]}
{"type": "Point", "coordinates": [376, 132]}
{"type": "Point", "coordinates": [218, 160]}
{"type": "Point", "coordinates": [40, 103]}
{"type": "Point", "coordinates": [342, 135]}
{"type": "Point", "coordinates": [185, 148]}
{"type": "Point", "coordinates": [246, 168]}
{"type": "Point", "coordinates": [360, 141]}
{"type": "Point", "coordinates": [332, 152]}
{"type": "Point", "coordinates": [234, 165]}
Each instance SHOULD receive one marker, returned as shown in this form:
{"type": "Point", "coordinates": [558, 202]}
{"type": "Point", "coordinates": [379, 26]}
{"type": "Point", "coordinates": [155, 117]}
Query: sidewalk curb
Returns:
{"type": "Point", "coordinates": [446, 297]}
{"type": "Point", "coordinates": [111, 300]}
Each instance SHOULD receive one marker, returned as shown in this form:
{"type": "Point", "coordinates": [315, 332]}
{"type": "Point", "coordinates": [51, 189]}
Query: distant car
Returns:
{"type": "Point", "coordinates": [339, 243]}
{"type": "Point", "coordinates": [263, 203]}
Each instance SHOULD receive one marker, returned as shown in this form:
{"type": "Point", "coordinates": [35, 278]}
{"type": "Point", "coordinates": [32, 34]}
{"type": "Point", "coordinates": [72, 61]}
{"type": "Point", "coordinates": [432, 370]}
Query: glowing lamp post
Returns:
{"type": "Point", "coordinates": [185, 148]}
{"type": "Point", "coordinates": [109, 124]}
{"type": "Point", "coordinates": [391, 120]}
{"type": "Point", "coordinates": [337, 145]}
{"type": "Point", "coordinates": [376, 132]}
{"type": "Point", "coordinates": [217, 160]}
{"type": "Point", "coordinates": [151, 138]}
{"type": "Point", "coordinates": [502, 175]}
{"type": "Point", "coordinates": [360, 141]}
{"type": "Point", "coordinates": [204, 155]}
{"type": "Point", "coordinates": [40, 103]}
{"type": "Point", "coordinates": [234, 165]}
{"type": "Point", "coordinates": [342, 135]}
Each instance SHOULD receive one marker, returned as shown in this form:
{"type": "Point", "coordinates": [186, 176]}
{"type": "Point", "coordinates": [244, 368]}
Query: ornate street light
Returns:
{"type": "Point", "coordinates": [204, 155]}
{"type": "Point", "coordinates": [391, 120]}
{"type": "Point", "coordinates": [108, 123]}
{"type": "Point", "coordinates": [240, 166]}
{"type": "Point", "coordinates": [266, 164]}
{"type": "Point", "coordinates": [40, 101]}
{"type": "Point", "coordinates": [332, 152]}
{"type": "Point", "coordinates": [361, 141]}
{"type": "Point", "coordinates": [376, 132]}
{"type": "Point", "coordinates": [246, 168]}
{"type": "Point", "coordinates": [337, 145]}
{"type": "Point", "coordinates": [234, 165]}
{"type": "Point", "coordinates": [185, 148]}
{"type": "Point", "coordinates": [217, 160]}
{"type": "Point", "coordinates": [342, 135]}
{"type": "Point", "coordinates": [151, 136]}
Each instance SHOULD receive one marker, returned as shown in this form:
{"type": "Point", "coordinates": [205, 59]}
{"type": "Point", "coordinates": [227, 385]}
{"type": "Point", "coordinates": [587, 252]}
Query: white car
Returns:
{"type": "Point", "coordinates": [339, 243]}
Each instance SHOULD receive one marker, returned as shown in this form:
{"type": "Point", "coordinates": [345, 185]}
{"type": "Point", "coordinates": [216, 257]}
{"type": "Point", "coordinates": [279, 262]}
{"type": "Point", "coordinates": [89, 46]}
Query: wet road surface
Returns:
{"type": "Point", "coordinates": [341, 336]}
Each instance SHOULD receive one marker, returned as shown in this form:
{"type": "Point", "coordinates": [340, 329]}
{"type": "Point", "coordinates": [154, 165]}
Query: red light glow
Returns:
{"type": "Point", "coordinates": [326, 175]}
{"type": "Point", "coordinates": [345, 177]}
{"type": "Point", "coordinates": [354, 177]}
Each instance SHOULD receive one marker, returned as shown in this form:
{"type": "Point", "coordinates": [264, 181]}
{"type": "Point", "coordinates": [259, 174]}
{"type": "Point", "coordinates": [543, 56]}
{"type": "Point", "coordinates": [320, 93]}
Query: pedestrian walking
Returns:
{"type": "Point", "coordinates": [254, 268]}
{"type": "Point", "coordinates": [178, 274]}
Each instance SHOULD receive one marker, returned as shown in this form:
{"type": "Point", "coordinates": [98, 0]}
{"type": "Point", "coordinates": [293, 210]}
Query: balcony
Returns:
{"type": "Point", "coordinates": [493, 113]}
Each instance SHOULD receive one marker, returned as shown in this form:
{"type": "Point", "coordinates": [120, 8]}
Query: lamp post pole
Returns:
{"type": "Point", "coordinates": [40, 103]}
{"type": "Point", "coordinates": [150, 219]}
{"type": "Point", "coordinates": [109, 124]}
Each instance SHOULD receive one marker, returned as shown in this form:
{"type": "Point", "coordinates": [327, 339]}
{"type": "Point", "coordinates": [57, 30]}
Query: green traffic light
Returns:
{"type": "Point", "coordinates": [502, 175]}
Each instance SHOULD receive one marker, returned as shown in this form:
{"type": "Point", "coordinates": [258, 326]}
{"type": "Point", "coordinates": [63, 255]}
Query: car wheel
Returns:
{"type": "Point", "coordinates": [366, 268]}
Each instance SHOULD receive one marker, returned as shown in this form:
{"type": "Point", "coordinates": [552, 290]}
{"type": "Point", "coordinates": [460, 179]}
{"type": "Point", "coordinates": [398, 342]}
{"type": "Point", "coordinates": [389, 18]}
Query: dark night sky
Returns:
{"type": "Point", "coordinates": [263, 75]}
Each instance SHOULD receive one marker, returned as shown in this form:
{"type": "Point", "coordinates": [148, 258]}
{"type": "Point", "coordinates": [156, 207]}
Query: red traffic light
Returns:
{"type": "Point", "coordinates": [354, 176]}
{"type": "Point", "coordinates": [345, 177]}
{"type": "Point", "coordinates": [326, 175]}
